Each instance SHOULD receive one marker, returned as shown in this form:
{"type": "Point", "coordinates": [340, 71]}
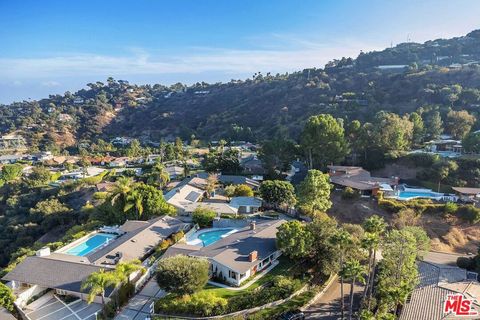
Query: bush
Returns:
{"type": "Point", "coordinates": [243, 190]}
{"type": "Point", "coordinates": [100, 195]}
{"type": "Point", "coordinates": [465, 263]}
{"type": "Point", "coordinates": [182, 275]}
{"type": "Point", "coordinates": [178, 236]}
{"type": "Point", "coordinates": [6, 297]}
{"type": "Point", "coordinates": [202, 304]}
{"type": "Point", "coordinates": [203, 217]}
{"type": "Point", "coordinates": [469, 213]}
{"type": "Point", "coordinates": [349, 194]}
{"type": "Point", "coordinates": [450, 208]}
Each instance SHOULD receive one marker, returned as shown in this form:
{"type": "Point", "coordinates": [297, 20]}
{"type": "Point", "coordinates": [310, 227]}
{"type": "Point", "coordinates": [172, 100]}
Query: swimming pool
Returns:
{"type": "Point", "coordinates": [91, 244]}
{"type": "Point", "coordinates": [407, 195]}
{"type": "Point", "coordinates": [208, 236]}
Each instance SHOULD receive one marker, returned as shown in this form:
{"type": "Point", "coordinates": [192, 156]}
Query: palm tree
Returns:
{"type": "Point", "coordinates": [123, 186]}
{"type": "Point", "coordinates": [134, 200]}
{"type": "Point", "coordinates": [373, 225]}
{"type": "Point", "coordinates": [97, 282]}
{"type": "Point", "coordinates": [159, 175]}
{"type": "Point", "coordinates": [354, 271]}
{"type": "Point", "coordinates": [369, 242]}
{"type": "Point", "coordinates": [125, 269]}
{"type": "Point", "coordinates": [341, 240]}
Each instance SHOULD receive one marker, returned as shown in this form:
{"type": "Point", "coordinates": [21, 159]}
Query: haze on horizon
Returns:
{"type": "Point", "coordinates": [52, 46]}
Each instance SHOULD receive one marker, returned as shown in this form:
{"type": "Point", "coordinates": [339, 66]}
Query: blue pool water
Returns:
{"type": "Point", "coordinates": [90, 244]}
{"type": "Point", "coordinates": [417, 194]}
{"type": "Point", "coordinates": [209, 237]}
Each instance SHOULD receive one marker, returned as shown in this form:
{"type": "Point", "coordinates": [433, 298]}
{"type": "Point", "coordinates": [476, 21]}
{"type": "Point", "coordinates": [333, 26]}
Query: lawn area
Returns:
{"type": "Point", "coordinates": [281, 269]}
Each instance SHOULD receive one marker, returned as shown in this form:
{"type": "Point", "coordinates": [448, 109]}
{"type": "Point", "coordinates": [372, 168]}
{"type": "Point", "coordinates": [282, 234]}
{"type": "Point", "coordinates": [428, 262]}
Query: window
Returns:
{"type": "Point", "coordinates": [232, 274]}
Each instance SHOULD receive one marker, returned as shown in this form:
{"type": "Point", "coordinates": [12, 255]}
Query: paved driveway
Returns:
{"type": "Point", "coordinates": [138, 308]}
{"type": "Point", "coordinates": [56, 309]}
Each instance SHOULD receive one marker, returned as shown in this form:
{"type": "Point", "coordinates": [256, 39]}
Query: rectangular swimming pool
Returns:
{"type": "Point", "coordinates": [91, 244]}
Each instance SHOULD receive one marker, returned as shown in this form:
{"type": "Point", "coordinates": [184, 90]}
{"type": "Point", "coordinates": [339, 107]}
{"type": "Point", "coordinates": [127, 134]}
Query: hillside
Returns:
{"type": "Point", "coordinates": [444, 73]}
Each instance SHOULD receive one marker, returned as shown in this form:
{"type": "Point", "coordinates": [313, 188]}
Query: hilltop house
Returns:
{"type": "Point", "coordinates": [360, 179]}
{"type": "Point", "coordinates": [65, 269]}
{"type": "Point", "coordinates": [467, 194]}
{"type": "Point", "coordinates": [238, 256]}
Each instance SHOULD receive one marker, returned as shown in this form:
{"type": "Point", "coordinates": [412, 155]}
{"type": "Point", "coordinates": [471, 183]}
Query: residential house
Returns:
{"type": "Point", "coordinates": [252, 165]}
{"type": "Point", "coordinates": [118, 162]}
{"type": "Point", "coordinates": [65, 269]}
{"type": "Point", "coordinates": [467, 194]}
{"type": "Point", "coordinates": [246, 204]}
{"type": "Point", "coordinates": [218, 207]}
{"type": "Point", "coordinates": [183, 195]}
{"type": "Point", "coordinates": [238, 256]}
{"type": "Point", "coordinates": [238, 180]}
{"type": "Point", "coordinates": [10, 158]}
{"type": "Point", "coordinates": [360, 179]}
{"type": "Point", "coordinates": [445, 147]}
{"type": "Point", "coordinates": [175, 172]}
{"type": "Point", "coordinates": [12, 142]}
{"type": "Point", "coordinates": [436, 283]}
{"type": "Point", "coordinates": [78, 100]}
{"type": "Point", "coordinates": [298, 172]}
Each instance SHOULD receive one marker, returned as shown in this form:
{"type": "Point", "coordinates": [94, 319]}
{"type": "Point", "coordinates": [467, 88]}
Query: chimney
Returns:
{"type": "Point", "coordinates": [253, 225]}
{"type": "Point", "coordinates": [45, 251]}
{"type": "Point", "coordinates": [253, 256]}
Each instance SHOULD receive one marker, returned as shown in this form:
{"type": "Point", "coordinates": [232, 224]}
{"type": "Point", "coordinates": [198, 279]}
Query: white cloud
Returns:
{"type": "Point", "coordinates": [289, 54]}
{"type": "Point", "coordinates": [50, 83]}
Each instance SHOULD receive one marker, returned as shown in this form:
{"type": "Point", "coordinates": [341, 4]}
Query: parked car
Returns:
{"type": "Point", "coordinates": [292, 315]}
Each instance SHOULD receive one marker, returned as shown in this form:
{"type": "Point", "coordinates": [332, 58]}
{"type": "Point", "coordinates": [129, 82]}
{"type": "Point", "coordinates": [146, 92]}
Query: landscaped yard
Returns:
{"type": "Point", "coordinates": [281, 269]}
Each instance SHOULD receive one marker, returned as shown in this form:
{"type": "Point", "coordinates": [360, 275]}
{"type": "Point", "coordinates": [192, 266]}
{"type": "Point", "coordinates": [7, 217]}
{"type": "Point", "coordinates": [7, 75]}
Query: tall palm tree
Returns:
{"type": "Point", "coordinates": [159, 175]}
{"type": "Point", "coordinates": [354, 271]}
{"type": "Point", "coordinates": [123, 186]}
{"type": "Point", "coordinates": [212, 183]}
{"type": "Point", "coordinates": [125, 269]}
{"type": "Point", "coordinates": [97, 283]}
{"type": "Point", "coordinates": [341, 240]}
{"type": "Point", "coordinates": [134, 200]}
{"type": "Point", "coordinates": [369, 242]}
{"type": "Point", "coordinates": [374, 225]}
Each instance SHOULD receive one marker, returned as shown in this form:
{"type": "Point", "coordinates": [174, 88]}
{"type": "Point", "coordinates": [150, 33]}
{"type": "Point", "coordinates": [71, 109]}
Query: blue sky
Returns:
{"type": "Point", "coordinates": [52, 46]}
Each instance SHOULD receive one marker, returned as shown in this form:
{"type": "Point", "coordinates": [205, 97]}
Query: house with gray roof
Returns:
{"type": "Point", "coordinates": [436, 282]}
{"type": "Point", "coordinates": [238, 180]}
{"type": "Point", "coordinates": [64, 270]}
{"type": "Point", "coordinates": [183, 195]}
{"type": "Point", "coordinates": [246, 204]}
{"type": "Point", "coordinates": [241, 254]}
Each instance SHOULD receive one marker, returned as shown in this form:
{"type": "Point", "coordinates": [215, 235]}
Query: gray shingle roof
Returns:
{"type": "Point", "coordinates": [233, 251]}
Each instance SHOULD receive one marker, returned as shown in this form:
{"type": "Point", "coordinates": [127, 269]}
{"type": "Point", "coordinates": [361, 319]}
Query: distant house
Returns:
{"type": "Point", "coordinates": [467, 194]}
{"type": "Point", "coordinates": [252, 165]}
{"type": "Point", "coordinates": [360, 179]}
{"type": "Point", "coordinates": [217, 207]}
{"type": "Point", "coordinates": [65, 269]}
{"type": "Point", "coordinates": [436, 282]}
{"type": "Point", "coordinates": [118, 162]}
{"type": "Point", "coordinates": [237, 257]}
{"type": "Point", "coordinates": [78, 100]}
{"type": "Point", "coordinates": [444, 146]}
{"type": "Point", "coordinates": [175, 172]}
{"type": "Point", "coordinates": [10, 158]}
{"type": "Point", "coordinates": [183, 195]}
{"type": "Point", "coordinates": [238, 180]}
{"type": "Point", "coordinates": [246, 204]}
{"type": "Point", "coordinates": [298, 172]}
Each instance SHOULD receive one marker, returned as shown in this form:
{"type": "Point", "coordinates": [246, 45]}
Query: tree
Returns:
{"type": "Point", "coordinates": [158, 175]}
{"type": "Point", "coordinates": [212, 184]}
{"type": "Point", "coordinates": [203, 217]}
{"type": "Point", "coordinates": [374, 226]}
{"type": "Point", "coordinates": [471, 142]}
{"type": "Point", "coordinates": [418, 128]}
{"type": "Point", "coordinates": [341, 240]}
{"type": "Point", "coordinates": [11, 172]}
{"type": "Point", "coordinates": [277, 155]}
{"type": "Point", "coordinates": [314, 192]}
{"type": "Point", "coordinates": [40, 176]}
{"type": "Point", "coordinates": [442, 169]}
{"type": "Point", "coordinates": [152, 201]}
{"type": "Point", "coordinates": [122, 187]}
{"type": "Point", "coordinates": [97, 282]}
{"type": "Point", "coordinates": [278, 193]}
{"type": "Point", "coordinates": [294, 239]}
{"type": "Point", "coordinates": [392, 133]}
{"type": "Point", "coordinates": [354, 271]}
{"type": "Point", "coordinates": [405, 217]}
{"type": "Point", "coordinates": [134, 201]}
{"type": "Point", "coordinates": [421, 239]}
{"type": "Point", "coordinates": [182, 275]}
{"type": "Point", "coordinates": [323, 141]}
{"type": "Point", "coordinates": [7, 298]}
{"type": "Point", "coordinates": [434, 125]}
{"type": "Point", "coordinates": [459, 123]}
{"type": "Point", "coordinates": [125, 269]}
{"type": "Point", "coordinates": [134, 149]}
{"type": "Point", "coordinates": [229, 191]}
{"type": "Point", "coordinates": [242, 190]}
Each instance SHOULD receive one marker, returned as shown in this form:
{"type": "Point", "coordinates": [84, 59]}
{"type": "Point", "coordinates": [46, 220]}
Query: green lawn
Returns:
{"type": "Point", "coordinates": [281, 269]}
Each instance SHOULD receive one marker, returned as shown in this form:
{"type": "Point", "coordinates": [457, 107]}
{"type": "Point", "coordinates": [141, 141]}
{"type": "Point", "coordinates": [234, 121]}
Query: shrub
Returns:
{"type": "Point", "coordinates": [100, 195]}
{"type": "Point", "coordinates": [469, 213]}
{"type": "Point", "coordinates": [349, 194]}
{"type": "Point", "coordinates": [203, 217]}
{"type": "Point", "coordinates": [182, 275]}
{"type": "Point", "coordinates": [243, 190]}
{"type": "Point", "coordinates": [199, 304]}
{"type": "Point", "coordinates": [6, 297]}
{"type": "Point", "coordinates": [450, 208]}
{"type": "Point", "coordinates": [178, 236]}
{"type": "Point", "coordinates": [465, 263]}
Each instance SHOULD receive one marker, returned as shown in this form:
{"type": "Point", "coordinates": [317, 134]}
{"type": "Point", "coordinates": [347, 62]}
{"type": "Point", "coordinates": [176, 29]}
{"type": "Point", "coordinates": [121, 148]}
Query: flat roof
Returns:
{"type": "Point", "coordinates": [464, 190]}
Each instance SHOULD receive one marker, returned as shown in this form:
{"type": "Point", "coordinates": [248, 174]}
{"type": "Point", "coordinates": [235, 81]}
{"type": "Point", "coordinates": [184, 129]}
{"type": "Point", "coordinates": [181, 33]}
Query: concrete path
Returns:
{"type": "Point", "coordinates": [139, 306]}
